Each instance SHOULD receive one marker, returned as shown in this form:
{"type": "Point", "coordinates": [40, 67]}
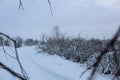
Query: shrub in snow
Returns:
{"type": "Point", "coordinates": [75, 49]}
{"type": "Point", "coordinates": [7, 42]}
{"type": "Point", "coordinates": [1, 40]}
{"type": "Point", "coordinates": [80, 50]}
{"type": "Point", "coordinates": [30, 42]}
{"type": "Point", "coordinates": [19, 41]}
{"type": "Point", "coordinates": [109, 64]}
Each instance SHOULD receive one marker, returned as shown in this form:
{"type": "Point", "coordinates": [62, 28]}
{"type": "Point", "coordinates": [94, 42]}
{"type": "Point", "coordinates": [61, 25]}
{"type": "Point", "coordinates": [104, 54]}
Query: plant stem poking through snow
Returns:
{"type": "Point", "coordinates": [24, 75]}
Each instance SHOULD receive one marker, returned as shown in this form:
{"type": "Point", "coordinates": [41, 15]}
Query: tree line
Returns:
{"type": "Point", "coordinates": [19, 41]}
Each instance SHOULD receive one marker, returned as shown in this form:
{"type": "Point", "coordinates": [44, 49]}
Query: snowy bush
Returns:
{"type": "Point", "coordinates": [7, 42]}
{"type": "Point", "coordinates": [108, 64]}
{"type": "Point", "coordinates": [19, 41]}
{"type": "Point", "coordinates": [81, 50]}
{"type": "Point", "coordinates": [30, 42]}
{"type": "Point", "coordinates": [4, 41]}
{"type": "Point", "coordinates": [75, 49]}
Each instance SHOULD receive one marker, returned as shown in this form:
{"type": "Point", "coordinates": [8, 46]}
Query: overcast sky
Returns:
{"type": "Point", "coordinates": [91, 18]}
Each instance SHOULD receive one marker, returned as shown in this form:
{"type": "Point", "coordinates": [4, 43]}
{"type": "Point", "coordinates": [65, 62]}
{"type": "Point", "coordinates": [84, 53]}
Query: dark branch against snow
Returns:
{"type": "Point", "coordinates": [24, 75]}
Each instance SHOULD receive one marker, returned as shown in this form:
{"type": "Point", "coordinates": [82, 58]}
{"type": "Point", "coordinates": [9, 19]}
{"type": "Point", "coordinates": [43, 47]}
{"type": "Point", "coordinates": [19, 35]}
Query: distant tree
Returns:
{"type": "Point", "coordinates": [7, 42]}
{"type": "Point", "coordinates": [36, 42]}
{"type": "Point", "coordinates": [56, 33]}
{"type": "Point", "coordinates": [4, 41]}
{"type": "Point", "coordinates": [19, 41]}
{"type": "Point", "coordinates": [1, 40]}
{"type": "Point", "coordinates": [30, 42]}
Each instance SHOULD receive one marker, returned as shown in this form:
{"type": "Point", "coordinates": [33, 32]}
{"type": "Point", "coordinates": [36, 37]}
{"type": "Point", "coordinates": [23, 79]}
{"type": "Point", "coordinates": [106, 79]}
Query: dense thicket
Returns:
{"type": "Point", "coordinates": [80, 50]}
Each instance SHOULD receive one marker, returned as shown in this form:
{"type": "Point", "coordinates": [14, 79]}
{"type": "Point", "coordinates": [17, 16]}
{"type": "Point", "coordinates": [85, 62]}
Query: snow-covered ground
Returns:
{"type": "Point", "coordinates": [41, 66]}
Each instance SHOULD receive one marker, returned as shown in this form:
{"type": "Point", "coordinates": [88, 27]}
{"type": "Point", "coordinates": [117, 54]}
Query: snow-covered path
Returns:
{"type": "Point", "coordinates": [50, 74]}
{"type": "Point", "coordinates": [37, 65]}
{"type": "Point", "coordinates": [40, 66]}
{"type": "Point", "coordinates": [38, 70]}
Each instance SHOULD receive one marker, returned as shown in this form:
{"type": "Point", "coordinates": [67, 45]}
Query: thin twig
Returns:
{"type": "Point", "coordinates": [2, 44]}
{"type": "Point", "coordinates": [12, 72]}
{"type": "Point", "coordinates": [21, 5]}
{"type": "Point", "coordinates": [49, 2]}
{"type": "Point", "coordinates": [17, 57]}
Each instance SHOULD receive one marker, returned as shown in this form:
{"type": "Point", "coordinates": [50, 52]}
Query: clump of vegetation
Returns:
{"type": "Point", "coordinates": [80, 50]}
{"type": "Point", "coordinates": [30, 42]}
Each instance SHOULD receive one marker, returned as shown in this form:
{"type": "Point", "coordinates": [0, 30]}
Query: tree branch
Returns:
{"type": "Point", "coordinates": [50, 7]}
{"type": "Point", "coordinates": [110, 44]}
{"type": "Point", "coordinates": [21, 5]}
{"type": "Point", "coordinates": [25, 77]}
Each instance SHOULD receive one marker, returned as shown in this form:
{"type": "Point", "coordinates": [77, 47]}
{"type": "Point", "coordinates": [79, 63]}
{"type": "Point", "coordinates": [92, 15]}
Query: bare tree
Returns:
{"type": "Point", "coordinates": [56, 32]}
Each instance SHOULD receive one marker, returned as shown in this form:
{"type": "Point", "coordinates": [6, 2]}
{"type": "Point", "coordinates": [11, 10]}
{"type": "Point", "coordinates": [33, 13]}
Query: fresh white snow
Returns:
{"type": "Point", "coordinates": [41, 66]}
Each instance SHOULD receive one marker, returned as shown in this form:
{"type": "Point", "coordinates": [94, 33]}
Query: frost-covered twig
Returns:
{"type": "Point", "coordinates": [24, 75]}
{"type": "Point", "coordinates": [110, 44]}
{"type": "Point", "coordinates": [12, 72]}
{"type": "Point", "coordinates": [104, 52]}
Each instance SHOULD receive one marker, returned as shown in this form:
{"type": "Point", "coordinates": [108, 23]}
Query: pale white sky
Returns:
{"type": "Point", "coordinates": [91, 18]}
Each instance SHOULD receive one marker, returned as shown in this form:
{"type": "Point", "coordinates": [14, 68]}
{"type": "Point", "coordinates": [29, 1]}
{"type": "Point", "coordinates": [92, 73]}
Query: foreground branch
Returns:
{"type": "Point", "coordinates": [50, 7]}
{"type": "Point", "coordinates": [24, 75]}
{"type": "Point", "coordinates": [104, 52]}
{"type": "Point", "coordinates": [110, 44]}
{"type": "Point", "coordinates": [12, 72]}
